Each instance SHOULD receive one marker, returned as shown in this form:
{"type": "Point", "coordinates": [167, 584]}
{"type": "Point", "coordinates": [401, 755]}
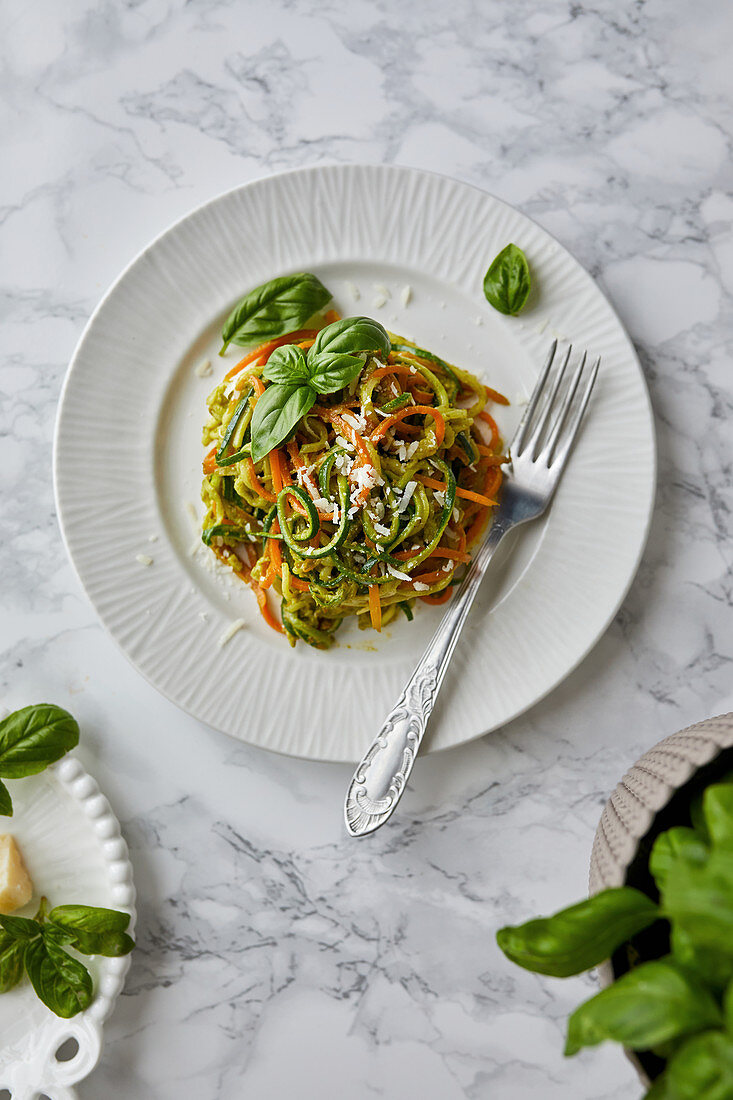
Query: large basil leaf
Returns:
{"type": "Point", "coordinates": [698, 900]}
{"type": "Point", "coordinates": [276, 415]}
{"type": "Point", "coordinates": [507, 282]}
{"type": "Point", "coordinates": [287, 365]}
{"type": "Point", "coordinates": [580, 937]}
{"type": "Point", "coordinates": [676, 843]}
{"type": "Point", "coordinates": [351, 336]}
{"type": "Point", "coordinates": [91, 930]}
{"type": "Point", "coordinates": [62, 982]}
{"type": "Point", "coordinates": [12, 951]}
{"type": "Point", "coordinates": [702, 1069]}
{"type": "Point", "coordinates": [34, 737]}
{"type": "Point", "coordinates": [6, 802]}
{"type": "Point", "coordinates": [728, 1007]}
{"type": "Point", "coordinates": [647, 1006]}
{"type": "Point", "coordinates": [717, 807]}
{"type": "Point", "coordinates": [273, 309]}
{"type": "Point", "coordinates": [331, 371]}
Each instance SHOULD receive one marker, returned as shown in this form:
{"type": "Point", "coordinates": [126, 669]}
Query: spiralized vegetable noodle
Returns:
{"type": "Point", "coordinates": [375, 502]}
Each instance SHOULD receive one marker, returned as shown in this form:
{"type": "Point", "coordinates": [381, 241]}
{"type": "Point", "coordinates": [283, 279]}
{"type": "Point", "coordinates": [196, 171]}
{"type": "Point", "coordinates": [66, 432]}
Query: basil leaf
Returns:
{"type": "Point", "coordinates": [580, 937]}
{"type": "Point", "coordinates": [287, 364]}
{"type": "Point", "coordinates": [21, 928]}
{"type": "Point", "coordinates": [650, 1004]}
{"type": "Point", "coordinates": [6, 802]}
{"type": "Point", "coordinates": [331, 371]}
{"type": "Point", "coordinates": [12, 952]}
{"type": "Point", "coordinates": [702, 1069]}
{"type": "Point", "coordinates": [273, 309]}
{"type": "Point", "coordinates": [91, 930]}
{"type": "Point", "coordinates": [507, 282]}
{"type": "Point", "coordinates": [62, 983]}
{"type": "Point", "coordinates": [34, 737]}
{"type": "Point", "coordinates": [698, 900]}
{"type": "Point", "coordinates": [728, 1007]}
{"type": "Point", "coordinates": [676, 843]}
{"type": "Point", "coordinates": [709, 964]}
{"type": "Point", "coordinates": [276, 415]}
{"type": "Point", "coordinates": [717, 807]}
{"type": "Point", "coordinates": [351, 336]}
{"type": "Point", "coordinates": [659, 1090]}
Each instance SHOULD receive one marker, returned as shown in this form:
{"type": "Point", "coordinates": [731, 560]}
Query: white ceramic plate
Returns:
{"type": "Point", "coordinates": [128, 456]}
{"type": "Point", "coordinates": [71, 845]}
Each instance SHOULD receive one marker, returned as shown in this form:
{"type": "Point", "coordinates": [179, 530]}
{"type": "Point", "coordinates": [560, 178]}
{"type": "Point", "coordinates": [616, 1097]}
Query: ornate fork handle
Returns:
{"type": "Point", "coordinates": [382, 775]}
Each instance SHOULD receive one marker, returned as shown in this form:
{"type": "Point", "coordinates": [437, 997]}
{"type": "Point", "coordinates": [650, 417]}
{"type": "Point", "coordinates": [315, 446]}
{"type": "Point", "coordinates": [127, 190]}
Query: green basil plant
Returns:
{"type": "Point", "coordinates": [678, 1007]}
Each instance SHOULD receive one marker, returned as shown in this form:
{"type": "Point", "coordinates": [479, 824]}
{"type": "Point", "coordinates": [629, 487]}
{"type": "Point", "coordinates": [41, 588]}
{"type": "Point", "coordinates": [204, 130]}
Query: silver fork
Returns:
{"type": "Point", "coordinates": [539, 453]}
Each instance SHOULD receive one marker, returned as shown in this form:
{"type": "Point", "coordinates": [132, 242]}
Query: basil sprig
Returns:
{"type": "Point", "coordinates": [333, 361]}
{"type": "Point", "coordinates": [681, 1005]}
{"type": "Point", "coordinates": [273, 309]}
{"type": "Point", "coordinates": [30, 740]}
{"type": "Point", "coordinates": [507, 282]}
{"type": "Point", "coordinates": [37, 946]}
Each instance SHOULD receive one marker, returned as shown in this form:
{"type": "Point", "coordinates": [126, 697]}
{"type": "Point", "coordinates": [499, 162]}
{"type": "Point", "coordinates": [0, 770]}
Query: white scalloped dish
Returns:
{"type": "Point", "coordinates": [72, 847]}
{"type": "Point", "coordinates": [128, 456]}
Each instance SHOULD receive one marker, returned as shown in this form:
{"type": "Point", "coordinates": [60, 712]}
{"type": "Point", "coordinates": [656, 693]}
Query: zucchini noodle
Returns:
{"type": "Point", "coordinates": [375, 502]}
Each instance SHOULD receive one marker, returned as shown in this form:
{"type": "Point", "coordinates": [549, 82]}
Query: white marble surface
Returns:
{"type": "Point", "coordinates": [275, 956]}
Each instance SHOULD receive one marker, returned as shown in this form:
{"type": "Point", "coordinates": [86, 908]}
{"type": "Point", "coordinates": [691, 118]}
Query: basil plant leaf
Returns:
{"type": "Point", "coordinates": [332, 371]}
{"type": "Point", "coordinates": [273, 309]}
{"type": "Point", "coordinates": [698, 900]}
{"type": "Point", "coordinates": [676, 843]}
{"type": "Point", "coordinates": [91, 930]}
{"type": "Point", "coordinates": [711, 967]}
{"type": "Point", "coordinates": [350, 336]}
{"type": "Point", "coordinates": [580, 937]}
{"type": "Point", "coordinates": [647, 1006]}
{"type": "Point", "coordinates": [276, 415]}
{"type": "Point", "coordinates": [702, 1069]}
{"type": "Point", "coordinates": [728, 1007]}
{"type": "Point", "coordinates": [62, 982]}
{"type": "Point", "coordinates": [507, 282]}
{"type": "Point", "coordinates": [6, 802]}
{"type": "Point", "coordinates": [287, 365]}
{"type": "Point", "coordinates": [34, 737]}
{"type": "Point", "coordinates": [12, 953]}
{"type": "Point", "coordinates": [717, 808]}
{"type": "Point", "coordinates": [21, 928]}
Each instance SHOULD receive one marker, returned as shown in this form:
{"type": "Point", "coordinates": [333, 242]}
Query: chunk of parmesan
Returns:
{"type": "Point", "coordinates": [143, 559]}
{"type": "Point", "coordinates": [396, 573]}
{"type": "Point", "coordinates": [378, 301]}
{"type": "Point", "coordinates": [406, 295]}
{"type": "Point", "coordinates": [16, 888]}
{"type": "Point", "coordinates": [420, 587]}
{"type": "Point", "coordinates": [231, 630]}
{"type": "Point", "coordinates": [203, 370]}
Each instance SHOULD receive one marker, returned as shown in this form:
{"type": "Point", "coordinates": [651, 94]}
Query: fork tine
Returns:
{"type": "Point", "coordinates": [536, 436]}
{"type": "Point", "coordinates": [577, 417]}
{"type": "Point", "coordinates": [564, 410]}
{"type": "Point", "coordinates": [519, 435]}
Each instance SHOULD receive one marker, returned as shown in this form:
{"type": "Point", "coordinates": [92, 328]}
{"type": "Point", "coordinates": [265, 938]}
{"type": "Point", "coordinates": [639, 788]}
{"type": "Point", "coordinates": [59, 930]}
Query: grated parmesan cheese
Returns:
{"type": "Point", "coordinates": [382, 289]}
{"type": "Point", "coordinates": [406, 295]}
{"type": "Point", "coordinates": [203, 370]}
{"type": "Point", "coordinates": [378, 301]}
{"type": "Point", "coordinates": [231, 630]}
{"type": "Point", "coordinates": [420, 587]}
{"type": "Point", "coordinates": [396, 573]}
{"type": "Point", "coordinates": [353, 291]}
{"type": "Point", "coordinates": [143, 559]}
{"type": "Point", "coordinates": [407, 496]}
